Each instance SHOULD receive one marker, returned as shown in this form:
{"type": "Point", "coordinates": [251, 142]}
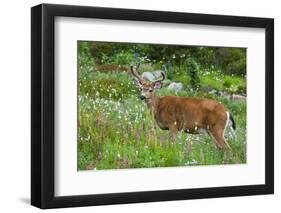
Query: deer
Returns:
{"type": "Point", "coordinates": [189, 114]}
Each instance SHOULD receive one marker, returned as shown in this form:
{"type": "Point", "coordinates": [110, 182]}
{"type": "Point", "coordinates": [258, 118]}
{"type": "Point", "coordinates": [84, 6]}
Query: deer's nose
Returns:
{"type": "Point", "coordinates": [142, 97]}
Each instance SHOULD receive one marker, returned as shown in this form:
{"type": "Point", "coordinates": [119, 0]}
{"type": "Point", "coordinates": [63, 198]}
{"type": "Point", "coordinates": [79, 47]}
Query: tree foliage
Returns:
{"type": "Point", "coordinates": [228, 60]}
{"type": "Point", "coordinates": [189, 63]}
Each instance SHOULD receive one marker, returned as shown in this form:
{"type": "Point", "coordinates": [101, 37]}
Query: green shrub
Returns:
{"type": "Point", "coordinates": [231, 60]}
{"type": "Point", "coordinates": [111, 68]}
{"type": "Point", "coordinates": [193, 72]}
{"type": "Point", "coordinates": [107, 86]}
{"type": "Point", "coordinates": [234, 84]}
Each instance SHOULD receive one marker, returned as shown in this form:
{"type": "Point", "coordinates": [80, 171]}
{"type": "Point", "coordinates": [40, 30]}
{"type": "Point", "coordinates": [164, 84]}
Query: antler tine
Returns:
{"type": "Point", "coordinates": [163, 78]}
{"type": "Point", "coordinates": [134, 72]}
{"type": "Point", "coordinates": [138, 65]}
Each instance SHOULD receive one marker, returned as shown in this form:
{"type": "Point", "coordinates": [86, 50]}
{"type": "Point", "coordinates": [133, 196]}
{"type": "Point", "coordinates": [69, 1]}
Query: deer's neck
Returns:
{"type": "Point", "coordinates": [152, 103]}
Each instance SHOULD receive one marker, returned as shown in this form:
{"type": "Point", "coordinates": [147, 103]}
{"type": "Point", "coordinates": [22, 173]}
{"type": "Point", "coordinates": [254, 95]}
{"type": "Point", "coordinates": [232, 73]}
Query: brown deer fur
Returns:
{"type": "Point", "coordinates": [191, 115]}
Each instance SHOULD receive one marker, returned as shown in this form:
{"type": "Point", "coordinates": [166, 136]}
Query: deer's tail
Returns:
{"type": "Point", "coordinates": [232, 121]}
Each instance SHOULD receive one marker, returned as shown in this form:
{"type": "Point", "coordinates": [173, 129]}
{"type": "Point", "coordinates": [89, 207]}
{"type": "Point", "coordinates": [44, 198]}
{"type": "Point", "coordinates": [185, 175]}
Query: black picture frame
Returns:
{"type": "Point", "coordinates": [43, 105]}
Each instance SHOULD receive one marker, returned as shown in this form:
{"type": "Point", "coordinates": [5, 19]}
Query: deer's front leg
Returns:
{"type": "Point", "coordinates": [173, 132]}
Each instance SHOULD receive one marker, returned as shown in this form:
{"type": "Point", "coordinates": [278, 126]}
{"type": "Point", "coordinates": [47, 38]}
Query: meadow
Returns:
{"type": "Point", "coordinates": [116, 130]}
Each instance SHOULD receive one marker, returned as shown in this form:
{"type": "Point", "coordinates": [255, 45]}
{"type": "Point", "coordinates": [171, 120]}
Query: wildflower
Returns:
{"type": "Point", "coordinates": [138, 135]}
{"type": "Point", "coordinates": [126, 161]}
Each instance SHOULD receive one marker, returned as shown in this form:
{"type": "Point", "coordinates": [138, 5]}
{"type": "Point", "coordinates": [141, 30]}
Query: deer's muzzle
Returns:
{"type": "Point", "coordinates": [142, 97]}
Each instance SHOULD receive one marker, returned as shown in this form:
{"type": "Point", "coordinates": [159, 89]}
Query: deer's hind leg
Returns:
{"type": "Point", "coordinates": [217, 133]}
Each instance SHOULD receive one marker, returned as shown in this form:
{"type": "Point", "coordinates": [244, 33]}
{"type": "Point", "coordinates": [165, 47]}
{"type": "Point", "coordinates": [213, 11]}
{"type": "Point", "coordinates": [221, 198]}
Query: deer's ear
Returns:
{"type": "Point", "coordinates": [157, 85]}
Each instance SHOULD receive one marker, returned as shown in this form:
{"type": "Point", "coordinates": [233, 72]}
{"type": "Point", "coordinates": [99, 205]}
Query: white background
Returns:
{"type": "Point", "coordinates": [70, 182]}
{"type": "Point", "coordinates": [15, 106]}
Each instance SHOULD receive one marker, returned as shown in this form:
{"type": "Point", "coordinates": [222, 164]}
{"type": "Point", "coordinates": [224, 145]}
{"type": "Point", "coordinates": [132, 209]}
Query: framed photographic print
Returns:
{"type": "Point", "coordinates": [139, 106]}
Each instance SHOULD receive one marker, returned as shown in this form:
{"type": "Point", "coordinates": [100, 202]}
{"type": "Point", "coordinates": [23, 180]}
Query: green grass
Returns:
{"type": "Point", "coordinates": [117, 131]}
